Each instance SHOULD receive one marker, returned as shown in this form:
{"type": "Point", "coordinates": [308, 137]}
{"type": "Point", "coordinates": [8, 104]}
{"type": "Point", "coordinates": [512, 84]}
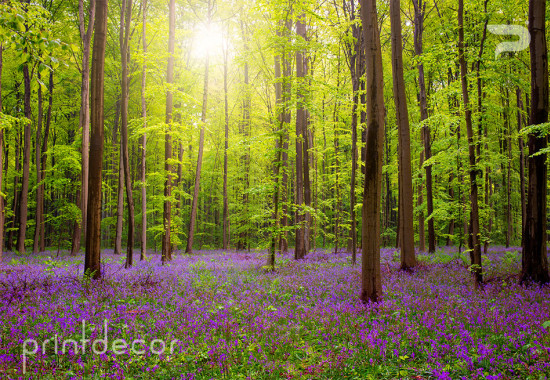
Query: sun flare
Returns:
{"type": "Point", "coordinates": [209, 40]}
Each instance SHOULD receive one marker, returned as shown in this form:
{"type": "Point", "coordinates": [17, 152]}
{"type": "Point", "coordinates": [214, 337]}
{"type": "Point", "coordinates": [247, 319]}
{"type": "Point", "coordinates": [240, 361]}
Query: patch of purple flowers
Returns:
{"type": "Point", "coordinates": [233, 318]}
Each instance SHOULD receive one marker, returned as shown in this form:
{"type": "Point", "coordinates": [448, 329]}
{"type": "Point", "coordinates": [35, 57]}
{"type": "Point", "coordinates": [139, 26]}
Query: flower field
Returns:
{"type": "Point", "coordinates": [223, 315]}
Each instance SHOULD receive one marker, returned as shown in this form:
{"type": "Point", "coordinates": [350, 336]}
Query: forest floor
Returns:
{"type": "Point", "coordinates": [223, 315]}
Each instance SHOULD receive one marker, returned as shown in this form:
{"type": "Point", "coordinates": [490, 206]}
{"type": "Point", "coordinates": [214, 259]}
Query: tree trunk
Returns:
{"type": "Point", "coordinates": [120, 190]}
{"type": "Point", "coordinates": [419, 13]}
{"type": "Point", "coordinates": [38, 162]}
{"type": "Point", "coordinates": [84, 118]}
{"type": "Point", "coordinates": [125, 19]}
{"type": "Point", "coordinates": [167, 214]}
{"type": "Point", "coordinates": [300, 250]}
{"type": "Point", "coordinates": [93, 231]}
{"type": "Point", "coordinates": [534, 254]}
{"type": "Point", "coordinates": [353, 232]}
{"type": "Point", "coordinates": [15, 204]}
{"type": "Point", "coordinates": [189, 247]}
{"type": "Point", "coordinates": [475, 254]}
{"type": "Point", "coordinates": [44, 159]}
{"type": "Point", "coordinates": [1, 165]}
{"type": "Point", "coordinates": [23, 212]}
{"type": "Point", "coordinates": [337, 210]}
{"type": "Point", "coordinates": [371, 281]}
{"type": "Point", "coordinates": [406, 231]}
{"type": "Point", "coordinates": [143, 252]}
{"type": "Point", "coordinates": [280, 127]}
{"type": "Point", "coordinates": [226, 148]}
{"type": "Point", "coordinates": [521, 146]}
{"type": "Point", "coordinates": [286, 97]}
{"type": "Point", "coordinates": [243, 240]}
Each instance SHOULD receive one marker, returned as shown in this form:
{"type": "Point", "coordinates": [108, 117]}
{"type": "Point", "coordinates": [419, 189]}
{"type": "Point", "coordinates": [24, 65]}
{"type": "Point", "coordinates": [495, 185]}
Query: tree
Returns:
{"type": "Point", "coordinates": [125, 19]}
{"type": "Point", "coordinates": [355, 58]}
{"type": "Point", "coordinates": [23, 210]}
{"type": "Point", "coordinates": [534, 256]}
{"type": "Point", "coordinates": [419, 14]}
{"type": "Point", "coordinates": [225, 151]}
{"type": "Point", "coordinates": [302, 166]}
{"type": "Point", "coordinates": [1, 163]}
{"type": "Point", "coordinates": [474, 238]}
{"type": "Point", "coordinates": [84, 118]}
{"type": "Point", "coordinates": [189, 247]}
{"type": "Point", "coordinates": [144, 137]}
{"type": "Point", "coordinates": [167, 214]}
{"type": "Point", "coordinates": [93, 231]}
{"type": "Point", "coordinates": [406, 232]}
{"type": "Point", "coordinates": [371, 281]}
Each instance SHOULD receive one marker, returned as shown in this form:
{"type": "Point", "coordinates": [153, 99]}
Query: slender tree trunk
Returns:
{"type": "Point", "coordinates": [1, 165]}
{"type": "Point", "coordinates": [474, 240]}
{"type": "Point", "coordinates": [521, 146]}
{"type": "Point", "coordinates": [44, 158]}
{"type": "Point", "coordinates": [481, 124]}
{"type": "Point", "coordinates": [143, 252]}
{"type": "Point", "coordinates": [120, 187]}
{"type": "Point", "coordinates": [189, 247]}
{"type": "Point", "coordinates": [280, 128]}
{"type": "Point", "coordinates": [353, 232]}
{"type": "Point", "coordinates": [93, 231]}
{"type": "Point", "coordinates": [534, 254]}
{"type": "Point", "coordinates": [38, 162]}
{"type": "Point", "coordinates": [23, 212]}
{"type": "Point", "coordinates": [419, 202]}
{"type": "Point", "coordinates": [300, 250]}
{"type": "Point", "coordinates": [226, 148]}
{"type": "Point", "coordinates": [84, 118]}
{"type": "Point", "coordinates": [337, 210]}
{"type": "Point", "coordinates": [419, 13]}
{"type": "Point", "coordinates": [371, 281]}
{"type": "Point", "coordinates": [125, 19]}
{"type": "Point", "coordinates": [167, 214]}
{"type": "Point", "coordinates": [286, 98]}
{"type": "Point", "coordinates": [243, 240]}
{"type": "Point", "coordinates": [15, 204]}
{"type": "Point", "coordinates": [508, 139]}
{"type": "Point", "coordinates": [406, 231]}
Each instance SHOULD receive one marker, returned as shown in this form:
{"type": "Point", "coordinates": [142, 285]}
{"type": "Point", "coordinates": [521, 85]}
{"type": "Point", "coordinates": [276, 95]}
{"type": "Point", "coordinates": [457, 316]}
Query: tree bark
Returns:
{"type": "Point", "coordinates": [1, 164]}
{"type": "Point", "coordinates": [93, 231]}
{"type": "Point", "coordinates": [125, 19]}
{"type": "Point", "coordinates": [143, 252]}
{"type": "Point", "coordinates": [534, 253]}
{"type": "Point", "coordinates": [38, 162]}
{"type": "Point", "coordinates": [167, 214]}
{"type": "Point", "coordinates": [189, 247]}
{"type": "Point", "coordinates": [120, 190]}
{"type": "Point", "coordinates": [419, 12]}
{"type": "Point", "coordinates": [371, 281]}
{"type": "Point", "coordinates": [286, 97]}
{"type": "Point", "coordinates": [406, 231]}
{"type": "Point", "coordinates": [474, 238]}
{"type": "Point", "coordinates": [300, 250]}
{"type": "Point", "coordinates": [225, 151]}
{"type": "Point", "coordinates": [23, 212]}
{"type": "Point", "coordinates": [44, 159]}
{"type": "Point", "coordinates": [84, 118]}
{"type": "Point", "coordinates": [521, 146]}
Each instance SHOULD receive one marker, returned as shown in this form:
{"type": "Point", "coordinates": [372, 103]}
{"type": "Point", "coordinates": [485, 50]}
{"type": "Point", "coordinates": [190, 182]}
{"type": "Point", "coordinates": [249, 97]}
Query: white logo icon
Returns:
{"type": "Point", "coordinates": [511, 30]}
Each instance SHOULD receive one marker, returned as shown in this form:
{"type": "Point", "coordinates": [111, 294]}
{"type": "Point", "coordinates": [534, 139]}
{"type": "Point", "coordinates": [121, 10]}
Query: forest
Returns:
{"type": "Point", "coordinates": [274, 189]}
